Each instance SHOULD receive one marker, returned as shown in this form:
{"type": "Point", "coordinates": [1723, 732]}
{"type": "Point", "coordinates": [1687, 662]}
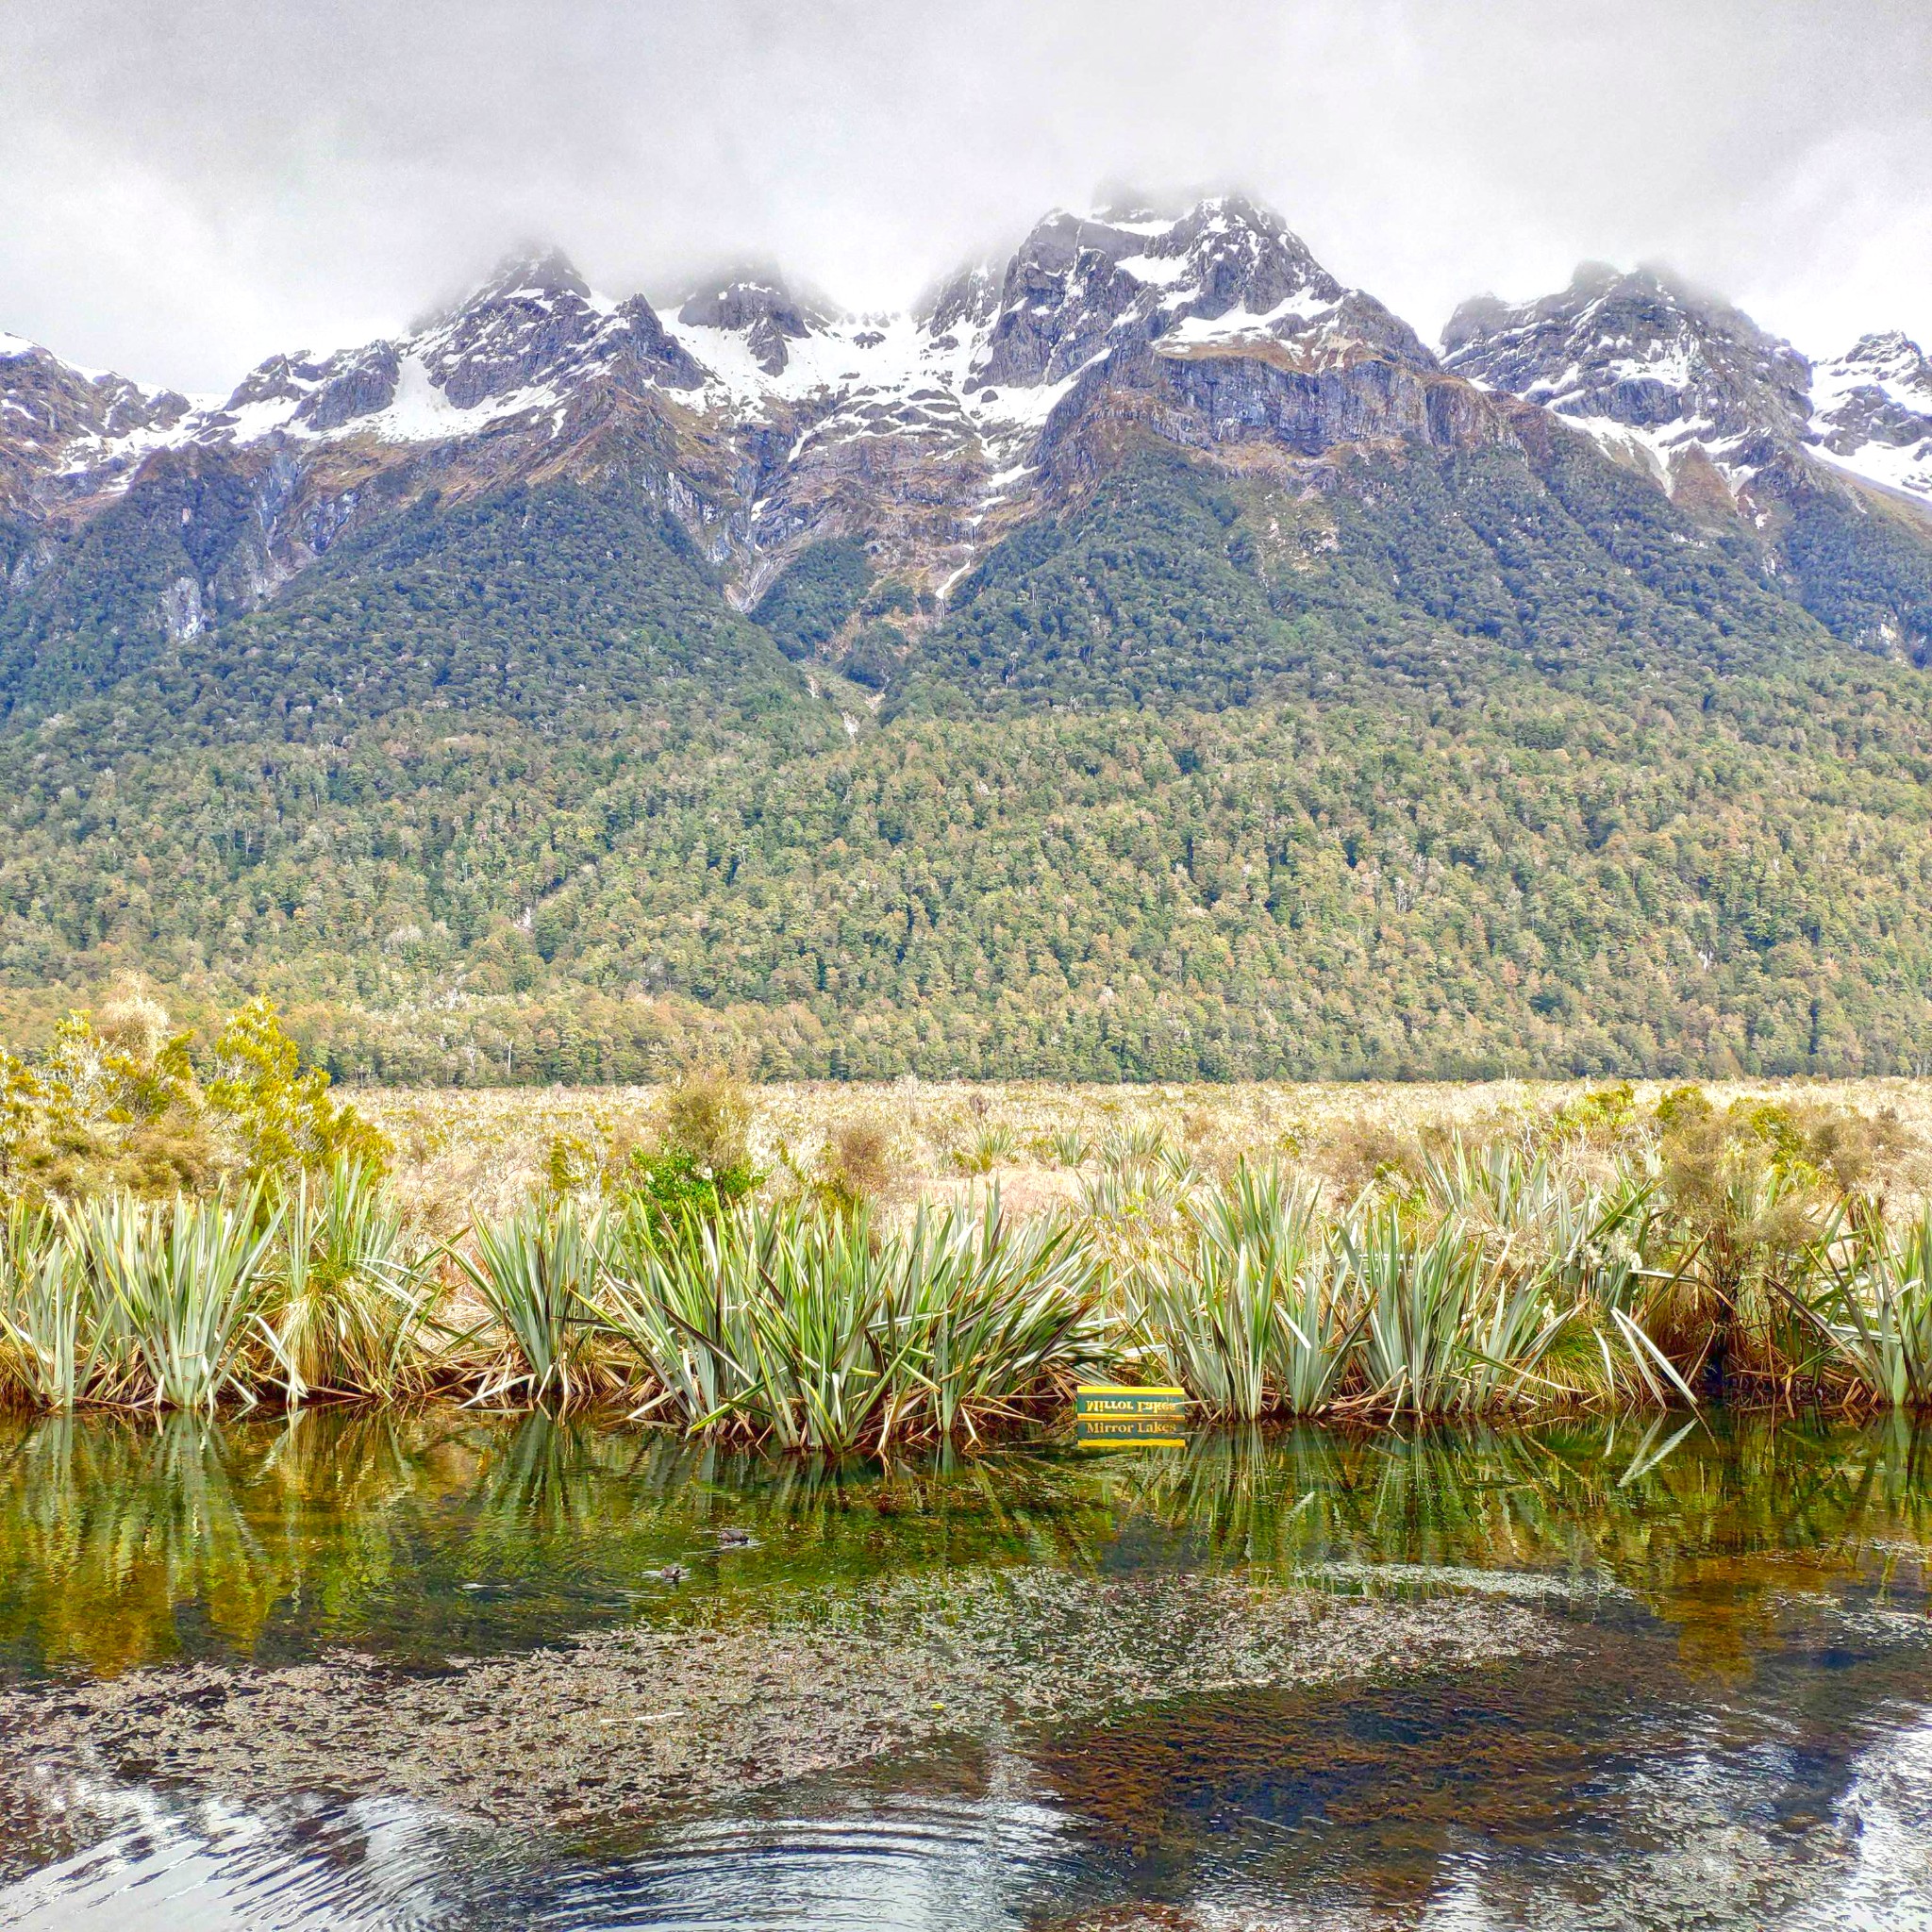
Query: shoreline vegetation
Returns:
{"type": "Point", "coordinates": [190, 1226]}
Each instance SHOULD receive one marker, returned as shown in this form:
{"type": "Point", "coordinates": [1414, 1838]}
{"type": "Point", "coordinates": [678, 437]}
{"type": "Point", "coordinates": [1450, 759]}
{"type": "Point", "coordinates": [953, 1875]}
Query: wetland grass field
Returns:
{"type": "Point", "coordinates": [825, 1269]}
{"type": "Point", "coordinates": [468, 1150]}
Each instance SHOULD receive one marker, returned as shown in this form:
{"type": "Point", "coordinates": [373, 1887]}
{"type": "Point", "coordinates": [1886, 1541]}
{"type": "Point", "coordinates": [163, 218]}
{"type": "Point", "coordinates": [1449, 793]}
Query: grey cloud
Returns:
{"type": "Point", "coordinates": [192, 183]}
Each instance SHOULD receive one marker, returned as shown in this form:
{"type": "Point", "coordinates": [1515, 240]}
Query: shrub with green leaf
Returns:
{"type": "Point", "coordinates": [121, 1101]}
{"type": "Point", "coordinates": [821, 1331]}
{"type": "Point", "coordinates": [280, 1114]}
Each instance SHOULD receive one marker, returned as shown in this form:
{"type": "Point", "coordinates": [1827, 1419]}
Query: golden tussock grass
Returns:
{"type": "Point", "coordinates": [482, 1153]}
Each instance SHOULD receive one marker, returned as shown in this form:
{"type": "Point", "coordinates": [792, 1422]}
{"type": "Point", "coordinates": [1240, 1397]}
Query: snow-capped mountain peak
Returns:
{"type": "Point", "coordinates": [524, 341]}
{"type": "Point", "coordinates": [1234, 256]}
{"type": "Point", "coordinates": [1872, 412]}
{"type": "Point", "coordinates": [756, 307]}
{"type": "Point", "coordinates": [531, 319]}
{"type": "Point", "coordinates": [1664, 375]}
{"type": "Point", "coordinates": [537, 274]}
{"type": "Point", "coordinates": [55, 415]}
{"type": "Point", "coordinates": [1220, 274]}
{"type": "Point", "coordinates": [1653, 368]}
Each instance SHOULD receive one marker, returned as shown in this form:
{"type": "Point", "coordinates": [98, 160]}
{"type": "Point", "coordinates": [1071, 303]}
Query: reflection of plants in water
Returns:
{"type": "Point", "coordinates": [1762, 1514]}
{"type": "Point", "coordinates": [1713, 1527]}
{"type": "Point", "coordinates": [123, 1540]}
{"type": "Point", "coordinates": [1319, 1496]}
{"type": "Point", "coordinates": [131, 1515]}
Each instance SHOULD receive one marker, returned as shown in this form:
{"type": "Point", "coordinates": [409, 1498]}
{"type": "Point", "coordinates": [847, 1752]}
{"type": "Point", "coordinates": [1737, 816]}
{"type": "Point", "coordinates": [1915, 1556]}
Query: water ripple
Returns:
{"type": "Point", "coordinates": [909, 1864]}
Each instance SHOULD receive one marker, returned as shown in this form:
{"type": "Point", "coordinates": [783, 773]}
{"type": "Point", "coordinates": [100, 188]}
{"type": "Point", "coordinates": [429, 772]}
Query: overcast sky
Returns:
{"type": "Point", "coordinates": [189, 184]}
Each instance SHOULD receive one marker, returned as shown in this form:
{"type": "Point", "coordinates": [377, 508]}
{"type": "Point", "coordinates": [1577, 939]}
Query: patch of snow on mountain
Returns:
{"type": "Point", "coordinates": [1909, 471]}
{"type": "Point", "coordinates": [248, 422]}
{"type": "Point", "coordinates": [1650, 450]}
{"type": "Point", "coordinates": [1238, 324]}
{"type": "Point", "coordinates": [423, 413]}
{"type": "Point", "coordinates": [1158, 270]}
{"type": "Point", "coordinates": [421, 410]}
{"type": "Point", "coordinates": [825, 361]}
{"type": "Point", "coordinates": [872, 377]}
{"type": "Point", "coordinates": [1145, 225]}
{"type": "Point", "coordinates": [1024, 408]}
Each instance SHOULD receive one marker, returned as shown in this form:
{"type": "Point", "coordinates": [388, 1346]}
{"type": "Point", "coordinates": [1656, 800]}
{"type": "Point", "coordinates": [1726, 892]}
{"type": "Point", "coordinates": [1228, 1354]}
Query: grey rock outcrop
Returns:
{"type": "Point", "coordinates": [1872, 412]}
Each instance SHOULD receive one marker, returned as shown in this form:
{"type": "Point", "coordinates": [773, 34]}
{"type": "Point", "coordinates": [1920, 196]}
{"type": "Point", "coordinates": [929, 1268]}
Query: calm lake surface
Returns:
{"type": "Point", "coordinates": [1731, 1725]}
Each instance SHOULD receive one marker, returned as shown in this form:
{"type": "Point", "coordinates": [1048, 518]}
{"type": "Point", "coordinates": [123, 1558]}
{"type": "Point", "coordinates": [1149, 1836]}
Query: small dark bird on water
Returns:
{"type": "Point", "coordinates": [674, 1572]}
{"type": "Point", "coordinates": [735, 1539]}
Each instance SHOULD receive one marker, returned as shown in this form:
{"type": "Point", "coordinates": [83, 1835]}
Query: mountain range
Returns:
{"type": "Point", "coordinates": [1147, 656]}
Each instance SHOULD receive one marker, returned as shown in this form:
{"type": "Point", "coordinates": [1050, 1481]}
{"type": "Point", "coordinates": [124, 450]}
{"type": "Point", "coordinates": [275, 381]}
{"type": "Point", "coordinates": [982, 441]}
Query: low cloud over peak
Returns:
{"type": "Point", "coordinates": [190, 189]}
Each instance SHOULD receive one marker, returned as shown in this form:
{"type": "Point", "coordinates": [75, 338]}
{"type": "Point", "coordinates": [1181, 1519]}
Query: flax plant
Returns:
{"type": "Point", "coordinates": [1249, 1315]}
{"type": "Point", "coordinates": [781, 1322]}
{"type": "Point", "coordinates": [675, 1297]}
{"type": "Point", "coordinates": [536, 1275]}
{"type": "Point", "coordinates": [831, 1337]}
{"type": "Point", "coordinates": [1876, 1308]}
{"type": "Point", "coordinates": [822, 1332]}
{"type": "Point", "coordinates": [1319, 1319]}
{"type": "Point", "coordinates": [175, 1282]}
{"type": "Point", "coordinates": [1443, 1323]}
{"type": "Point", "coordinates": [993, 1310]}
{"type": "Point", "coordinates": [353, 1293]}
{"type": "Point", "coordinates": [1575, 1241]}
{"type": "Point", "coordinates": [48, 1322]}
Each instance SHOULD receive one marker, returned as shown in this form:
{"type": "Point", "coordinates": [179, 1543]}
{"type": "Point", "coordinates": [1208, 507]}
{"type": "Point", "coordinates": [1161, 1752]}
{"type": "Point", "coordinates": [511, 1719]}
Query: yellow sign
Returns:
{"type": "Point", "coordinates": [1119, 1401]}
{"type": "Point", "coordinates": [1126, 1432]}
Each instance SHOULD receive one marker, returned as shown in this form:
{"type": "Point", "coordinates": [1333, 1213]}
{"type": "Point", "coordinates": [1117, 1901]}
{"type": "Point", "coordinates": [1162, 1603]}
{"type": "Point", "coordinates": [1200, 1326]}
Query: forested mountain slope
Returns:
{"type": "Point", "coordinates": [1147, 660]}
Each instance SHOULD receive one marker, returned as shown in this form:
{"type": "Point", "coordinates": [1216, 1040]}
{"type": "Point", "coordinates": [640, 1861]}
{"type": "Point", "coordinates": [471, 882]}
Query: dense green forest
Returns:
{"type": "Point", "coordinates": [1473, 764]}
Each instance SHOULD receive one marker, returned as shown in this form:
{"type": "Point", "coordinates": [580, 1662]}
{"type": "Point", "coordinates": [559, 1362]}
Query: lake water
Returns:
{"type": "Point", "coordinates": [1729, 1725]}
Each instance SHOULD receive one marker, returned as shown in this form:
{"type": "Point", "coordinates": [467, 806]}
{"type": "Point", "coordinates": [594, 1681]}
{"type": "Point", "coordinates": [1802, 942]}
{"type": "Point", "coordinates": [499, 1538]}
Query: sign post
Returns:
{"type": "Point", "coordinates": [1119, 1415]}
